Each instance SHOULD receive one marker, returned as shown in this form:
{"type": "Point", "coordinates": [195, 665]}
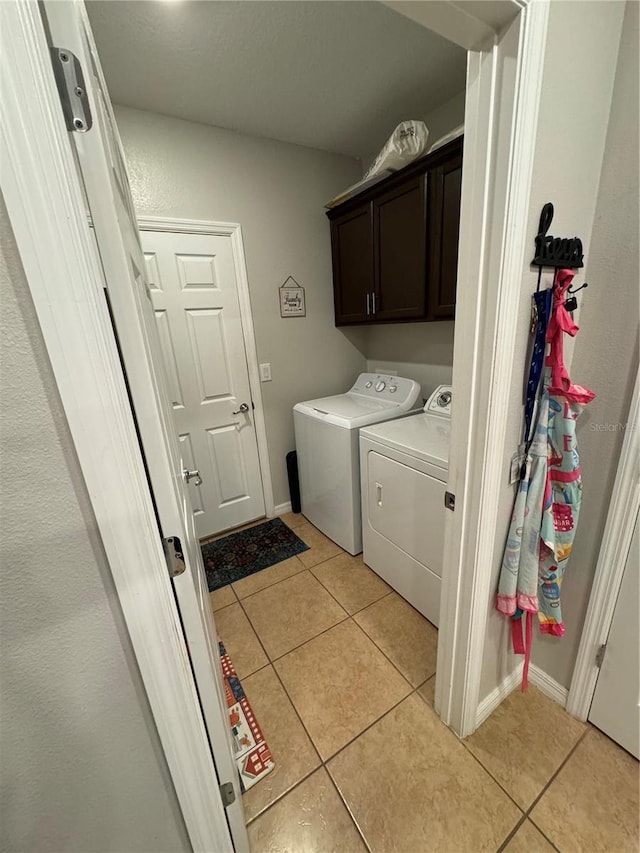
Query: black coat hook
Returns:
{"type": "Point", "coordinates": [571, 290]}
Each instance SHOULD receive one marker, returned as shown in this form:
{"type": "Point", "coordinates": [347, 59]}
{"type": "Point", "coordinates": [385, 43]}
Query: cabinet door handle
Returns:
{"type": "Point", "coordinates": [379, 494]}
{"type": "Point", "coordinates": [368, 310]}
{"type": "Point", "coordinates": [373, 300]}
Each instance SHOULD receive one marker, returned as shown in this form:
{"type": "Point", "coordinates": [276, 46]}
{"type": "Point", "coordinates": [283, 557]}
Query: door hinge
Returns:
{"type": "Point", "coordinates": [600, 654]}
{"type": "Point", "coordinates": [227, 794]}
{"type": "Point", "coordinates": [175, 558]}
{"type": "Point", "coordinates": [72, 89]}
{"type": "Point", "coordinates": [450, 501]}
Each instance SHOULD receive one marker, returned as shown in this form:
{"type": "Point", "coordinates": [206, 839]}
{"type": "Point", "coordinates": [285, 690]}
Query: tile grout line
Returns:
{"type": "Point", "coordinates": [382, 652]}
{"type": "Point", "coordinates": [350, 616]}
{"type": "Point", "coordinates": [324, 762]}
{"type": "Point", "coordinates": [357, 624]}
{"type": "Point", "coordinates": [281, 796]}
{"type": "Point", "coordinates": [551, 781]}
{"type": "Point", "coordinates": [555, 773]}
{"type": "Point", "coordinates": [497, 781]}
{"type": "Point", "coordinates": [324, 631]}
{"type": "Point", "coordinates": [527, 812]}
{"type": "Point", "coordinates": [511, 835]}
{"type": "Point", "coordinates": [370, 604]}
{"type": "Point", "coordinates": [274, 583]}
{"type": "Point", "coordinates": [348, 809]}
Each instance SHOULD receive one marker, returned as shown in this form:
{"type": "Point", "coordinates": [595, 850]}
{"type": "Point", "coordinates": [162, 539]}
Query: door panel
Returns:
{"type": "Point", "coordinates": [616, 702]}
{"type": "Point", "coordinates": [103, 172]}
{"type": "Point", "coordinates": [198, 312]}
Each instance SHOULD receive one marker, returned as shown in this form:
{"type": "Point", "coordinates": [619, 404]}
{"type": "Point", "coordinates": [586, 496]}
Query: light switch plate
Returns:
{"type": "Point", "coordinates": [265, 372]}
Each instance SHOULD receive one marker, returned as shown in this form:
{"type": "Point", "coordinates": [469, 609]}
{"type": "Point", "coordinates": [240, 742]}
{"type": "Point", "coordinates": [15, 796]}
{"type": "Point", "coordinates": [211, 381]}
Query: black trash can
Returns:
{"type": "Point", "coordinates": [294, 483]}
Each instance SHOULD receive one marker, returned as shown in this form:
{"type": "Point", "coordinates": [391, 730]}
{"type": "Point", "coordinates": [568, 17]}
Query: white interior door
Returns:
{"type": "Point", "coordinates": [195, 296]}
{"type": "Point", "coordinates": [103, 172]}
{"type": "Point", "coordinates": [616, 702]}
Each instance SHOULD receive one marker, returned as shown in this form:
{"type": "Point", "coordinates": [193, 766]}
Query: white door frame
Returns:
{"type": "Point", "coordinates": [616, 541]}
{"type": "Point", "coordinates": [46, 209]}
{"type": "Point", "coordinates": [234, 231]}
{"type": "Point", "coordinates": [504, 77]}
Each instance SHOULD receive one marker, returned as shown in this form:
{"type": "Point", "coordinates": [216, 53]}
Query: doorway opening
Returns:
{"type": "Point", "coordinates": [149, 665]}
{"type": "Point", "coordinates": [309, 627]}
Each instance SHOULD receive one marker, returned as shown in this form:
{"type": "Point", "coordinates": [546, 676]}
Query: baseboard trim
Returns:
{"type": "Point", "coordinates": [547, 685]}
{"type": "Point", "coordinates": [280, 509]}
{"type": "Point", "coordinates": [499, 694]}
{"type": "Point", "coordinates": [538, 677]}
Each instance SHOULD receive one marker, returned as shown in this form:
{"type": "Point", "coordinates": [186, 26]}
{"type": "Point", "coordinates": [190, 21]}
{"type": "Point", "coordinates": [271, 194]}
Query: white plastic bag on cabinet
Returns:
{"type": "Point", "coordinates": [407, 142]}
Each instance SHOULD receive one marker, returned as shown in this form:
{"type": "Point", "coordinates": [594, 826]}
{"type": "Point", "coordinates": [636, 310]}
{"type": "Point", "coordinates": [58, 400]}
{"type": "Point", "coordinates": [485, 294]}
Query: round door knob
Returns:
{"type": "Point", "coordinates": [244, 407]}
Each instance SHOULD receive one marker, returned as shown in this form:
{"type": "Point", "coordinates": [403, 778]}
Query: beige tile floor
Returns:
{"type": "Point", "coordinates": [341, 673]}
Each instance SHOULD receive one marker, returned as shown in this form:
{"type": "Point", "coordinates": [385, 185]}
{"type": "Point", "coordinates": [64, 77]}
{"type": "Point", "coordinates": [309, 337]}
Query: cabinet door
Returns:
{"type": "Point", "coordinates": [400, 229]}
{"type": "Point", "coordinates": [445, 183]}
{"type": "Point", "coordinates": [352, 251]}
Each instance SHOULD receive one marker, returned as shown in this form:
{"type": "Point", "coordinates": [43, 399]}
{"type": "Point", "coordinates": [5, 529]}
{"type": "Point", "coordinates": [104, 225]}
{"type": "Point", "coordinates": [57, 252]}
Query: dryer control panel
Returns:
{"type": "Point", "coordinates": [439, 403]}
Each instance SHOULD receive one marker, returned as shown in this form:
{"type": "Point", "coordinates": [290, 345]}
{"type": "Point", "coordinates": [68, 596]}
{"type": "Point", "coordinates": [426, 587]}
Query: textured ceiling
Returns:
{"type": "Point", "coordinates": [331, 75]}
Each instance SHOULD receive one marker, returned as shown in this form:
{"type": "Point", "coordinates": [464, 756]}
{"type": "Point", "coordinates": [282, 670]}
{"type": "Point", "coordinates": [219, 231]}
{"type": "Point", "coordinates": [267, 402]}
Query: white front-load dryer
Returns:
{"type": "Point", "coordinates": [403, 472]}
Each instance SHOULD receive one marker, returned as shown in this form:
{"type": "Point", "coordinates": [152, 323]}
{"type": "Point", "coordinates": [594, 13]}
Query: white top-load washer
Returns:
{"type": "Point", "coordinates": [404, 467]}
{"type": "Point", "coordinates": [327, 447]}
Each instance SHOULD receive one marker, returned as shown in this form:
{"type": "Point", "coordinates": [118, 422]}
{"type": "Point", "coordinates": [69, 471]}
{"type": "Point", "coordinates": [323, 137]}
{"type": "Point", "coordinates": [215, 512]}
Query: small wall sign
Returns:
{"type": "Point", "coordinates": [292, 302]}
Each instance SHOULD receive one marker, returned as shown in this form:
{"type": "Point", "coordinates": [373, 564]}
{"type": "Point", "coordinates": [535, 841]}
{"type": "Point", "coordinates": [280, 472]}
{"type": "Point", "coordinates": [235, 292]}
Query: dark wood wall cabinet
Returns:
{"type": "Point", "coordinates": [395, 246]}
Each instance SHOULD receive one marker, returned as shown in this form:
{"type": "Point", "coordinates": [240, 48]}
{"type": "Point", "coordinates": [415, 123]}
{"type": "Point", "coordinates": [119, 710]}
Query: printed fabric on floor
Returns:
{"type": "Point", "coordinates": [253, 756]}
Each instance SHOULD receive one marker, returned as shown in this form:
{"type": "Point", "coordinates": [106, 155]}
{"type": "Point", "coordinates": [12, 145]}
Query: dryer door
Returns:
{"type": "Point", "coordinates": [407, 508]}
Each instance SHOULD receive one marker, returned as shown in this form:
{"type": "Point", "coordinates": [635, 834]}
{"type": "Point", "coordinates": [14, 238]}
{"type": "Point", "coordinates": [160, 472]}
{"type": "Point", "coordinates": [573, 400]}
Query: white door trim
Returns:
{"type": "Point", "coordinates": [234, 231]}
{"type": "Point", "coordinates": [618, 532]}
{"type": "Point", "coordinates": [45, 204]}
{"type": "Point", "coordinates": [493, 245]}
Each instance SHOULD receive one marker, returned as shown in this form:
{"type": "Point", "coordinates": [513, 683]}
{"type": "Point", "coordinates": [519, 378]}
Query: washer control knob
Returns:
{"type": "Point", "coordinates": [368, 384]}
{"type": "Point", "coordinates": [393, 388]}
{"type": "Point", "coordinates": [381, 385]}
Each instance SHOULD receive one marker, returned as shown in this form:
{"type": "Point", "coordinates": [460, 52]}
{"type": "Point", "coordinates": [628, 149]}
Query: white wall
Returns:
{"type": "Point", "coordinates": [276, 192]}
{"type": "Point", "coordinates": [606, 350]}
{"type": "Point", "coordinates": [82, 766]}
{"type": "Point", "coordinates": [446, 117]}
{"type": "Point", "coordinates": [419, 351]}
{"type": "Point", "coordinates": [580, 66]}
